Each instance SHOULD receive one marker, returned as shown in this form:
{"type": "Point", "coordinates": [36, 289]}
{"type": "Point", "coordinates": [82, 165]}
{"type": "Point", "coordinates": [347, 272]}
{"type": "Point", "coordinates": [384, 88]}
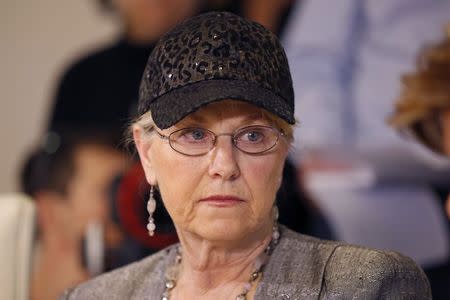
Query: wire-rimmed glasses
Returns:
{"type": "Point", "coordinates": [196, 141]}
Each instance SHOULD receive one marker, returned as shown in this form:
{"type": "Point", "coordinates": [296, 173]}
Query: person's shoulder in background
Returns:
{"type": "Point", "coordinates": [87, 68]}
{"type": "Point", "coordinates": [98, 88]}
{"type": "Point", "coordinates": [91, 60]}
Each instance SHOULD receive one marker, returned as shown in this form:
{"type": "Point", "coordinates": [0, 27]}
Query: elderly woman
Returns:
{"type": "Point", "coordinates": [216, 115]}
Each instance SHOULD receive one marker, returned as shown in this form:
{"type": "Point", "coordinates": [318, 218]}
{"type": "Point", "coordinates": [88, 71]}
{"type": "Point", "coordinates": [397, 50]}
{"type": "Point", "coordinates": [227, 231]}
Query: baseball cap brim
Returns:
{"type": "Point", "coordinates": [167, 109]}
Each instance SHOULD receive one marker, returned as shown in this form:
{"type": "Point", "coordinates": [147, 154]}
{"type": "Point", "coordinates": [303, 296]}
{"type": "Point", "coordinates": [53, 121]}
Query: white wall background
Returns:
{"type": "Point", "coordinates": [38, 39]}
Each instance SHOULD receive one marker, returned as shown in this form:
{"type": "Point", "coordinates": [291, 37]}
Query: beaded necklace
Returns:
{"type": "Point", "coordinates": [172, 273]}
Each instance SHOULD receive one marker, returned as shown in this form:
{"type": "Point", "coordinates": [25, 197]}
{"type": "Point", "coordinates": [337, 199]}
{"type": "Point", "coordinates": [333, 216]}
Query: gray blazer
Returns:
{"type": "Point", "coordinates": [301, 267]}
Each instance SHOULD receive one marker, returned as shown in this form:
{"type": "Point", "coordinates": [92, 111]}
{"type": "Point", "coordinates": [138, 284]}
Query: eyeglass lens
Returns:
{"type": "Point", "coordinates": [198, 141]}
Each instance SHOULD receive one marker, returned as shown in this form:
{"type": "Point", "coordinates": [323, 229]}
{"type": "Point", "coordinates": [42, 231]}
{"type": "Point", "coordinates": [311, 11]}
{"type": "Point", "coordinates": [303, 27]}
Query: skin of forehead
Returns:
{"type": "Point", "coordinates": [224, 110]}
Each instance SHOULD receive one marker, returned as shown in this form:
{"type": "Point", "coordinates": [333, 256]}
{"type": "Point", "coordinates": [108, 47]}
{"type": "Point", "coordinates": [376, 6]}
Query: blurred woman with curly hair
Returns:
{"type": "Point", "coordinates": [423, 108]}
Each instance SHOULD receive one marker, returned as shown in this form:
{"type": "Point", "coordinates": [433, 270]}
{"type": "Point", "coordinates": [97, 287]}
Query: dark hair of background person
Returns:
{"type": "Point", "coordinates": [51, 165]}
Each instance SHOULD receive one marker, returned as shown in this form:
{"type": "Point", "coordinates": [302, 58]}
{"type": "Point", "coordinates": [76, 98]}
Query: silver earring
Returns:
{"type": "Point", "coordinates": [275, 231]}
{"type": "Point", "coordinates": [275, 213]}
{"type": "Point", "coordinates": [151, 206]}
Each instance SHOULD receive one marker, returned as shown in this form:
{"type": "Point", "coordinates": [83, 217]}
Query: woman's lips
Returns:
{"type": "Point", "coordinates": [222, 200]}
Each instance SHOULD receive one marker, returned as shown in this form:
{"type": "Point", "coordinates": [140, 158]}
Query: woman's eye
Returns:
{"type": "Point", "coordinates": [197, 134]}
{"type": "Point", "coordinates": [252, 136]}
{"type": "Point", "coordinates": [193, 135]}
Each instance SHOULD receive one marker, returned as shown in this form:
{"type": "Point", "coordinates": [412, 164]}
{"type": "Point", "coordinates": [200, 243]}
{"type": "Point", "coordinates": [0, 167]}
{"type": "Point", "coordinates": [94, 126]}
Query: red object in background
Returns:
{"type": "Point", "coordinates": [130, 206]}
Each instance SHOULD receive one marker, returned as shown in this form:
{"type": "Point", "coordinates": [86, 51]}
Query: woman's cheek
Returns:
{"type": "Point", "coordinates": [178, 190]}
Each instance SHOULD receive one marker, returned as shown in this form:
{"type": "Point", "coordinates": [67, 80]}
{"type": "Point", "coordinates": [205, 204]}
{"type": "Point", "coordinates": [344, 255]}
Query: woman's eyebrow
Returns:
{"type": "Point", "coordinates": [254, 117]}
{"type": "Point", "coordinates": [197, 118]}
{"type": "Point", "coordinates": [192, 119]}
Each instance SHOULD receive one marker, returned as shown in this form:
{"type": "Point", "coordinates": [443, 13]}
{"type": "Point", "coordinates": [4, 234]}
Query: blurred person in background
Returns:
{"type": "Point", "coordinates": [423, 108]}
{"type": "Point", "coordinates": [346, 57]}
{"type": "Point", "coordinates": [109, 77]}
{"type": "Point", "coordinates": [422, 112]}
{"type": "Point", "coordinates": [100, 91]}
{"type": "Point", "coordinates": [70, 182]}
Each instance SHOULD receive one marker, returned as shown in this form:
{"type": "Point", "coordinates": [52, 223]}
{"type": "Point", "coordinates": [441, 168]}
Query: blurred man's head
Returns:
{"type": "Point", "coordinates": [71, 184]}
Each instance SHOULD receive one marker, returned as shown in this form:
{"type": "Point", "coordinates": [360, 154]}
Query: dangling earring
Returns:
{"type": "Point", "coordinates": [275, 213]}
{"type": "Point", "coordinates": [151, 206]}
{"type": "Point", "coordinates": [275, 230]}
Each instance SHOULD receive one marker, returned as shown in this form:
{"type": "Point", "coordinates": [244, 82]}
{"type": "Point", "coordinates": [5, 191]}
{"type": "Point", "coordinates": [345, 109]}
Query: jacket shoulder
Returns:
{"type": "Point", "coordinates": [305, 267]}
{"type": "Point", "coordinates": [364, 273]}
{"type": "Point", "coordinates": [124, 283]}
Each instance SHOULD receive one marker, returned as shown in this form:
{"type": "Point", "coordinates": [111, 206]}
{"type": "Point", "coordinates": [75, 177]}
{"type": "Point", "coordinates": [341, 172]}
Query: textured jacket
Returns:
{"type": "Point", "coordinates": [301, 267]}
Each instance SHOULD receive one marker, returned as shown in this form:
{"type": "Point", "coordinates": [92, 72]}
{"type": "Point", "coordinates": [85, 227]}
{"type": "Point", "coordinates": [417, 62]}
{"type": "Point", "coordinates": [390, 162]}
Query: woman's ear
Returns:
{"type": "Point", "coordinates": [143, 146]}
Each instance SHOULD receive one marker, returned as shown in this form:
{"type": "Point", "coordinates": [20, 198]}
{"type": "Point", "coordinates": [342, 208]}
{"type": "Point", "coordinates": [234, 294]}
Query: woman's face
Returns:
{"type": "Point", "coordinates": [226, 193]}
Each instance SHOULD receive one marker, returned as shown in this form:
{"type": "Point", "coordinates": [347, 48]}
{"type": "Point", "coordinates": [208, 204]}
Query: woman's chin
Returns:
{"type": "Point", "coordinates": [225, 229]}
{"type": "Point", "coordinates": [218, 224]}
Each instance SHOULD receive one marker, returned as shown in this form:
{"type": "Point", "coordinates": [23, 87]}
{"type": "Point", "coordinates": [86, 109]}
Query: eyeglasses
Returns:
{"type": "Point", "coordinates": [199, 141]}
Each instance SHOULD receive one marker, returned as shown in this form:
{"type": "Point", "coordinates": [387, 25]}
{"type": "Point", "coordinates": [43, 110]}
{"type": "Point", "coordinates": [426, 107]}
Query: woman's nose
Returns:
{"type": "Point", "coordinates": [223, 162]}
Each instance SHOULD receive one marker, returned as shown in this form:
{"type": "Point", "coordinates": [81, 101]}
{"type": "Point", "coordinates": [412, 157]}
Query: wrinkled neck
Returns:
{"type": "Point", "coordinates": [209, 265]}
